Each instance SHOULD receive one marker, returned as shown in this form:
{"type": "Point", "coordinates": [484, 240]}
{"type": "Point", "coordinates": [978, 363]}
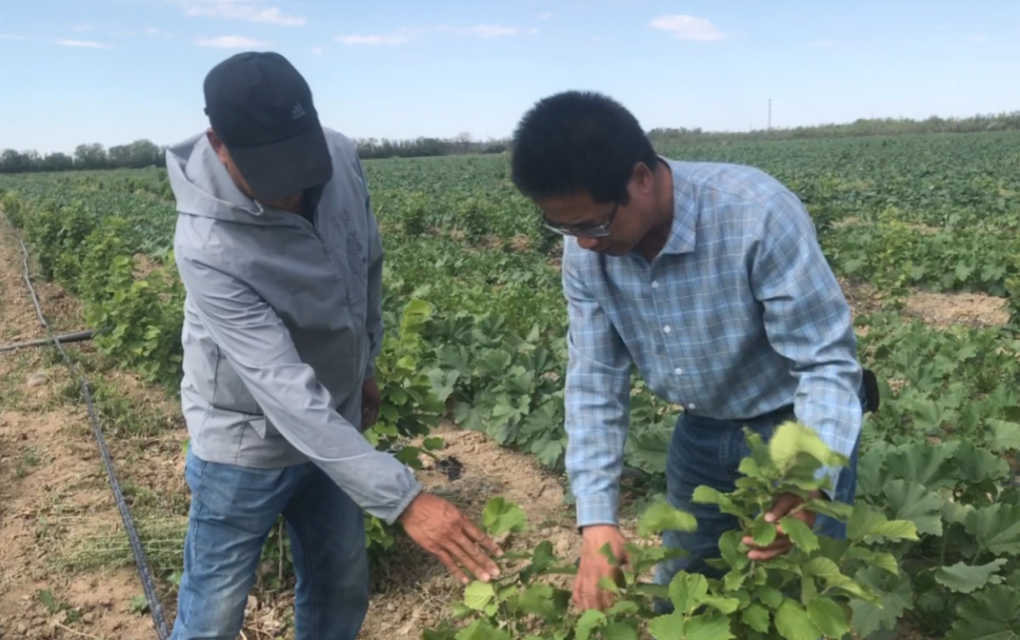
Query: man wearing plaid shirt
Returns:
{"type": "Point", "coordinates": [709, 278]}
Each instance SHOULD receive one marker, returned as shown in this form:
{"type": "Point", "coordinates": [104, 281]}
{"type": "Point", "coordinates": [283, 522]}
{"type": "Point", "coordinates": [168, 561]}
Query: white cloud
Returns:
{"type": "Point", "coordinates": [247, 10]}
{"type": "Point", "coordinates": [153, 31]}
{"type": "Point", "coordinates": [371, 40]}
{"type": "Point", "coordinates": [548, 15]}
{"type": "Point", "coordinates": [318, 51]}
{"type": "Point", "coordinates": [11, 36]}
{"type": "Point", "coordinates": [492, 31]}
{"type": "Point", "coordinates": [533, 32]}
{"type": "Point", "coordinates": [977, 39]}
{"type": "Point", "coordinates": [85, 44]}
{"type": "Point", "coordinates": [230, 42]}
{"type": "Point", "coordinates": [823, 43]}
{"type": "Point", "coordinates": [688, 28]}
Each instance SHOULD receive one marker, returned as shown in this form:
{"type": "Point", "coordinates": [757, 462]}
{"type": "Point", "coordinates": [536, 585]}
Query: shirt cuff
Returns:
{"type": "Point", "coordinates": [597, 509]}
{"type": "Point", "coordinates": [369, 371]}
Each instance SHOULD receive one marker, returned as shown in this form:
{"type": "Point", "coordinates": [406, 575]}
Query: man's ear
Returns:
{"type": "Point", "coordinates": [216, 143]}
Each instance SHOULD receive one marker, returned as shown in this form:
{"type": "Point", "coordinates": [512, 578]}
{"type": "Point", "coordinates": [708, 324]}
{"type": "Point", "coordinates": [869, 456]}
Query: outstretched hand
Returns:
{"type": "Point", "coordinates": [441, 529]}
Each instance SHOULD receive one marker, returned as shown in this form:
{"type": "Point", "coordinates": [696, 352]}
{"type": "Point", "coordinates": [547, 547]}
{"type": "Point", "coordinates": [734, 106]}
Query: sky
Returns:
{"type": "Point", "coordinates": [113, 71]}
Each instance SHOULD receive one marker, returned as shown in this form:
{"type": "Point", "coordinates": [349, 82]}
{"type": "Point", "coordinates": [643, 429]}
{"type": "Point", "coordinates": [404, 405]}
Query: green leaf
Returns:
{"type": "Point", "coordinates": [139, 604]}
{"type": "Point", "coordinates": [588, 622]}
{"type": "Point", "coordinates": [794, 623]}
{"type": "Point", "coordinates": [997, 528]}
{"type": "Point", "coordinates": [482, 630]}
{"type": "Point", "coordinates": [687, 591]}
{"type": "Point", "coordinates": [792, 440]}
{"type": "Point", "coordinates": [963, 578]}
{"type": "Point", "coordinates": [829, 617]}
{"type": "Point", "coordinates": [607, 584]}
{"type": "Point", "coordinates": [723, 605]}
{"type": "Point", "coordinates": [1005, 436]}
{"type": "Point", "coordinates": [990, 615]}
{"type": "Point", "coordinates": [662, 516]}
{"type": "Point", "coordinates": [895, 595]}
{"type": "Point", "coordinates": [977, 465]}
{"type": "Point", "coordinates": [668, 627]}
{"type": "Point", "coordinates": [729, 547]}
{"type": "Point", "coordinates": [866, 523]}
{"type": "Point", "coordinates": [709, 626]}
{"type": "Point", "coordinates": [911, 501]}
{"type": "Point", "coordinates": [800, 534]}
{"type": "Point", "coordinates": [764, 533]}
{"type": "Point", "coordinates": [757, 617]}
{"type": "Point", "coordinates": [885, 561]}
{"type": "Point", "coordinates": [623, 606]}
{"type": "Point", "coordinates": [539, 600]}
{"type": "Point", "coordinates": [478, 595]}
{"type": "Point", "coordinates": [929, 465]}
{"type": "Point", "coordinates": [771, 596]}
{"type": "Point", "coordinates": [432, 444]}
{"type": "Point", "coordinates": [501, 516]}
{"type": "Point", "coordinates": [623, 630]}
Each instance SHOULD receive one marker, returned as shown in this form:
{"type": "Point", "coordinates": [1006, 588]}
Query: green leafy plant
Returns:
{"type": "Point", "coordinates": [811, 591]}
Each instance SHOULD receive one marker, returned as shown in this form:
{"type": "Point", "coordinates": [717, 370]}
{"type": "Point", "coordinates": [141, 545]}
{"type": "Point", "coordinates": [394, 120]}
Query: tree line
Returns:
{"type": "Point", "coordinates": [144, 153]}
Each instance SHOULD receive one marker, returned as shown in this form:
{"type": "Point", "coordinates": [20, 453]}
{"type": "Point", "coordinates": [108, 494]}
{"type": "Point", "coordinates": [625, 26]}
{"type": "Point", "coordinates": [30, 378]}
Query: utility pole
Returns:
{"type": "Point", "coordinates": [770, 114]}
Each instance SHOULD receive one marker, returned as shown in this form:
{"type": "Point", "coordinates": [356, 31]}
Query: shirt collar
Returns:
{"type": "Point", "coordinates": [683, 232]}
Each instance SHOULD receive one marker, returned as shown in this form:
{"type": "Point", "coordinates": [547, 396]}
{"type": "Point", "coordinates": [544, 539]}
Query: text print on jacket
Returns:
{"type": "Point", "coordinates": [282, 324]}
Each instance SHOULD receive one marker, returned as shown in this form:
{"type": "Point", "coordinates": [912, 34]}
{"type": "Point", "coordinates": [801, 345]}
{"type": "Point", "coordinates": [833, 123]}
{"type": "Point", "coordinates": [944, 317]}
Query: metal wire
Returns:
{"type": "Point", "coordinates": [151, 596]}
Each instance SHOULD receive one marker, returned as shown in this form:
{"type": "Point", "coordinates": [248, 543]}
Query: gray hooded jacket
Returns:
{"type": "Point", "coordinates": [282, 324]}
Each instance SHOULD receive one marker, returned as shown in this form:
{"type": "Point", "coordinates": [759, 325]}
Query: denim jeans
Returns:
{"type": "Point", "coordinates": [232, 512]}
{"type": "Point", "coordinates": [708, 452]}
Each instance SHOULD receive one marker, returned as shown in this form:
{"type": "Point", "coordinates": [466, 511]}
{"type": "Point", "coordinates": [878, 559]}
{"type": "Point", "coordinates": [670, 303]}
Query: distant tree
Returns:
{"type": "Point", "coordinates": [12, 161]}
{"type": "Point", "coordinates": [90, 156]}
{"type": "Point", "coordinates": [57, 162]}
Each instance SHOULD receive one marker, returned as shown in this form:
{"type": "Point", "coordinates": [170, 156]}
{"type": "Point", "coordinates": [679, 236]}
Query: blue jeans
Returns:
{"type": "Point", "coordinates": [232, 512]}
{"type": "Point", "coordinates": [708, 452]}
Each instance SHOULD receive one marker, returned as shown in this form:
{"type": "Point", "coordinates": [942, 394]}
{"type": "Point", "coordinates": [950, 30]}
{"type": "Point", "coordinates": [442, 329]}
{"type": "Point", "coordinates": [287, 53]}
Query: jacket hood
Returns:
{"type": "Point", "coordinates": [203, 187]}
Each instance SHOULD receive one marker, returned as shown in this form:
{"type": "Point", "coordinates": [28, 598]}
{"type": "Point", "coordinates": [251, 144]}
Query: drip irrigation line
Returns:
{"type": "Point", "coordinates": [144, 572]}
{"type": "Point", "coordinates": [79, 336]}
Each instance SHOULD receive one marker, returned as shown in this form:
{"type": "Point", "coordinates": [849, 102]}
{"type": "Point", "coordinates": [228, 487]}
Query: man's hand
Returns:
{"type": "Point", "coordinates": [595, 566]}
{"type": "Point", "coordinates": [441, 529]}
{"type": "Point", "coordinates": [784, 504]}
{"type": "Point", "coordinates": [371, 400]}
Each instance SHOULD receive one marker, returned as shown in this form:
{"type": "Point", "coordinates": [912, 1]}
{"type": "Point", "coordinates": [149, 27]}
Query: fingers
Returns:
{"type": "Point", "coordinates": [783, 505]}
{"type": "Point", "coordinates": [471, 557]}
{"type": "Point", "coordinates": [478, 536]}
{"type": "Point", "coordinates": [445, 558]}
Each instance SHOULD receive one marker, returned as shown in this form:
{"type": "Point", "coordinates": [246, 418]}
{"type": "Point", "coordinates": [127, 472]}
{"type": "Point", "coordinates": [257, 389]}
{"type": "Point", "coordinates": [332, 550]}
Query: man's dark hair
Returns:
{"type": "Point", "coordinates": [577, 141]}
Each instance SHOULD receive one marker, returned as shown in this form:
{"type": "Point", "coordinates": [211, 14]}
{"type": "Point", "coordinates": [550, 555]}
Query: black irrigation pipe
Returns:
{"type": "Point", "coordinates": [80, 336]}
{"type": "Point", "coordinates": [151, 596]}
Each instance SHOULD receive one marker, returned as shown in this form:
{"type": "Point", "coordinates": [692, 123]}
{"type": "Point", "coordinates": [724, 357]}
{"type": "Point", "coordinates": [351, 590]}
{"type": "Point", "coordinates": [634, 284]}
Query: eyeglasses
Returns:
{"type": "Point", "coordinates": [586, 230]}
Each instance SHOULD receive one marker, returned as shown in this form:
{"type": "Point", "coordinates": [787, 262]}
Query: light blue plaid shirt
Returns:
{"type": "Point", "coordinates": [739, 315]}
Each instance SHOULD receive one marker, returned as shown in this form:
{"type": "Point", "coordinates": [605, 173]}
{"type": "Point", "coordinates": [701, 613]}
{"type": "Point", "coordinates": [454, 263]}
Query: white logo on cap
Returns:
{"type": "Point", "coordinates": [298, 112]}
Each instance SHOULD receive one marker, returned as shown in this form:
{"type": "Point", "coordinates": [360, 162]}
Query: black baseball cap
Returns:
{"type": "Point", "coordinates": [262, 109]}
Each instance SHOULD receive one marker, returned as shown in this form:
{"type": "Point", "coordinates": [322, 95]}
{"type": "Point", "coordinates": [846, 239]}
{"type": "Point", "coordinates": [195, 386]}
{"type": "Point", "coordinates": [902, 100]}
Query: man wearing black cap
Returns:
{"type": "Point", "coordinates": [280, 256]}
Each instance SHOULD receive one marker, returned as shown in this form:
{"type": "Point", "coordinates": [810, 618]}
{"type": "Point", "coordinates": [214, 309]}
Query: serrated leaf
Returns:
{"type": "Point", "coordinates": [792, 442]}
{"type": "Point", "coordinates": [1005, 436]}
{"type": "Point", "coordinates": [729, 548]}
{"type": "Point", "coordinates": [588, 622]}
{"type": "Point", "coordinates": [977, 465]}
{"type": "Point", "coordinates": [884, 561]}
{"type": "Point", "coordinates": [721, 604]}
{"type": "Point", "coordinates": [990, 615]}
{"type": "Point", "coordinates": [482, 630]}
{"type": "Point", "coordinates": [757, 617]}
{"type": "Point", "coordinates": [794, 623]}
{"type": "Point", "coordinates": [895, 594]}
{"type": "Point", "coordinates": [620, 631]}
{"type": "Point", "coordinates": [963, 578]}
{"type": "Point", "coordinates": [764, 533]}
{"type": "Point", "coordinates": [771, 596]}
{"type": "Point", "coordinates": [687, 591]}
{"type": "Point", "coordinates": [829, 617]}
{"type": "Point", "coordinates": [539, 600]}
{"type": "Point", "coordinates": [997, 528]}
{"type": "Point", "coordinates": [709, 626]}
{"type": "Point", "coordinates": [662, 516]}
{"type": "Point", "coordinates": [501, 516]}
{"type": "Point", "coordinates": [478, 595]}
{"type": "Point", "coordinates": [800, 534]}
{"type": "Point", "coordinates": [866, 522]}
{"type": "Point", "coordinates": [911, 501]}
{"type": "Point", "coordinates": [929, 465]}
{"type": "Point", "coordinates": [668, 627]}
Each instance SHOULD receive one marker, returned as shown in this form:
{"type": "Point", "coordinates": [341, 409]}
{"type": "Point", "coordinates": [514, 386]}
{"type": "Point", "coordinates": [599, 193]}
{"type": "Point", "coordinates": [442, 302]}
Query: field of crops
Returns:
{"type": "Point", "coordinates": [477, 332]}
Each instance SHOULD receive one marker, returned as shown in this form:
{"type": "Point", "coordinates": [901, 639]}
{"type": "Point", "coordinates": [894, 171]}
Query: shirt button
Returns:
{"type": "Point", "coordinates": [655, 284]}
{"type": "Point", "coordinates": [692, 406]}
{"type": "Point", "coordinates": [666, 329]}
{"type": "Point", "coordinates": [678, 371]}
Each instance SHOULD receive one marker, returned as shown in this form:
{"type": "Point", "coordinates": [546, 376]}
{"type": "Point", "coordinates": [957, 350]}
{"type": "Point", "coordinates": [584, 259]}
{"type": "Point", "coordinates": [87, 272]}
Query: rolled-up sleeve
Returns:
{"type": "Point", "coordinates": [260, 349]}
{"type": "Point", "coordinates": [597, 402]}
{"type": "Point", "coordinates": [808, 321]}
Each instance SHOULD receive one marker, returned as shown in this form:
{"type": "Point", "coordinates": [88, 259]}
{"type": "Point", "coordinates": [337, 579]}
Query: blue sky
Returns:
{"type": "Point", "coordinates": [112, 71]}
